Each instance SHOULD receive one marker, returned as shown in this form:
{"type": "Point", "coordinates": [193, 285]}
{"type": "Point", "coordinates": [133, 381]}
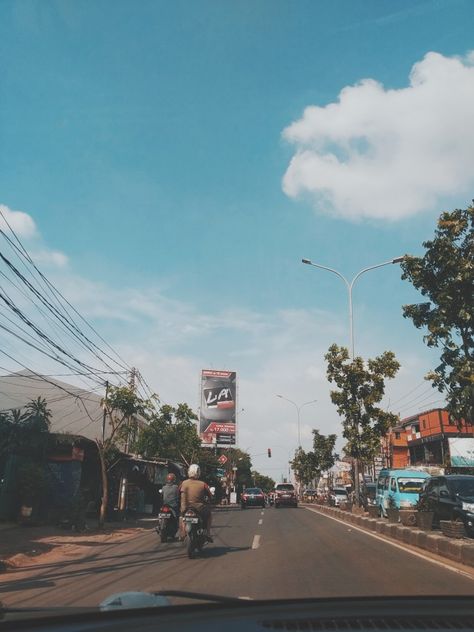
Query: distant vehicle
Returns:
{"type": "Point", "coordinates": [309, 494]}
{"type": "Point", "coordinates": [451, 498]}
{"type": "Point", "coordinates": [400, 487]}
{"type": "Point", "coordinates": [369, 495]}
{"type": "Point", "coordinates": [337, 496]}
{"type": "Point", "coordinates": [252, 497]}
{"type": "Point", "coordinates": [285, 494]}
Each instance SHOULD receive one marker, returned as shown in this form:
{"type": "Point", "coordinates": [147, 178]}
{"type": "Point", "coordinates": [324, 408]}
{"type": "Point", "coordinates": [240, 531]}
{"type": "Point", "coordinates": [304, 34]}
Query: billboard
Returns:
{"type": "Point", "coordinates": [218, 407]}
{"type": "Point", "coordinates": [461, 450]}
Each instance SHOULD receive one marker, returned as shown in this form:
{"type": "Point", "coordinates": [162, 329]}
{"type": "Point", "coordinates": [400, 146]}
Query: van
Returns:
{"type": "Point", "coordinates": [403, 486]}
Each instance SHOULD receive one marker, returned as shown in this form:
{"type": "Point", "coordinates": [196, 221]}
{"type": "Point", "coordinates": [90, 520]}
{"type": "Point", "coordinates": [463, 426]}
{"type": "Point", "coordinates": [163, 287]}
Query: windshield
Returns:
{"type": "Point", "coordinates": [462, 487]}
{"type": "Point", "coordinates": [410, 485]}
{"type": "Point", "coordinates": [236, 283]}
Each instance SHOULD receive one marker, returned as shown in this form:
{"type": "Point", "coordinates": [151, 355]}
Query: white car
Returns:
{"type": "Point", "coordinates": [338, 495]}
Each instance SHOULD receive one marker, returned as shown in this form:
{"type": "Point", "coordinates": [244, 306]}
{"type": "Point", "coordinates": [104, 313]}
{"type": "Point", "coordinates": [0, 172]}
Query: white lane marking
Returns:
{"type": "Point", "coordinates": [260, 521]}
{"type": "Point", "coordinates": [262, 513]}
{"type": "Point", "coordinates": [256, 542]}
{"type": "Point", "coordinates": [396, 545]}
{"type": "Point", "coordinates": [245, 597]}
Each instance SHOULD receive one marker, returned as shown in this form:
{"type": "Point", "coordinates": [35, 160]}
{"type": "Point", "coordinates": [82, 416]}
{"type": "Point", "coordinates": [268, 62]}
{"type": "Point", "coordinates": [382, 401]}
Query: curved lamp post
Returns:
{"type": "Point", "coordinates": [298, 409]}
{"type": "Point", "coordinates": [349, 285]}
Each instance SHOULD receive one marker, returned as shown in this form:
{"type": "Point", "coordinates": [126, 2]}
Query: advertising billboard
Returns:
{"type": "Point", "coordinates": [218, 408]}
{"type": "Point", "coordinates": [461, 450]}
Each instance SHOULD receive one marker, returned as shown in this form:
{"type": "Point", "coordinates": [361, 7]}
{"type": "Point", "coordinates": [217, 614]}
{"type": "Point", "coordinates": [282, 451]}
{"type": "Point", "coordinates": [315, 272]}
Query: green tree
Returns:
{"type": "Point", "coordinates": [264, 482]}
{"type": "Point", "coordinates": [445, 275]}
{"type": "Point", "coordinates": [122, 407]}
{"type": "Point", "coordinates": [308, 466]}
{"type": "Point", "coordinates": [172, 434]}
{"type": "Point", "coordinates": [304, 466]}
{"type": "Point", "coordinates": [37, 416]}
{"type": "Point", "coordinates": [360, 387]}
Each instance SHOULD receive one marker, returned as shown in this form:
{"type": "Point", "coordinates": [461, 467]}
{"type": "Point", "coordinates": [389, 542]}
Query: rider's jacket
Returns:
{"type": "Point", "coordinates": [194, 493]}
{"type": "Point", "coordinates": [171, 495]}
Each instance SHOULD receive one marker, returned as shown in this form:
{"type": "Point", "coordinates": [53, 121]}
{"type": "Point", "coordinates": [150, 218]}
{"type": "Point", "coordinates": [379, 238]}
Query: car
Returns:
{"type": "Point", "coordinates": [285, 494]}
{"type": "Point", "coordinates": [400, 487]}
{"type": "Point", "coordinates": [337, 496]}
{"type": "Point", "coordinates": [252, 497]}
{"type": "Point", "coordinates": [451, 497]}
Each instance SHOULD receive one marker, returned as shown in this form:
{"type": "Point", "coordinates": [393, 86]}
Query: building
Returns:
{"type": "Point", "coordinates": [425, 439]}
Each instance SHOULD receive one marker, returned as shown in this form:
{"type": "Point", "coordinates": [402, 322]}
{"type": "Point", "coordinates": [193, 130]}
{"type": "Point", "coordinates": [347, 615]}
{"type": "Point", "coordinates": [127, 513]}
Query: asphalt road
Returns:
{"type": "Point", "coordinates": [256, 553]}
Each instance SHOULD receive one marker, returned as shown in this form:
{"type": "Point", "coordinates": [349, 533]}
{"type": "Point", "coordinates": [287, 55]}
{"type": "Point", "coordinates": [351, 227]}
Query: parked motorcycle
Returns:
{"type": "Point", "coordinates": [196, 535]}
{"type": "Point", "coordinates": [167, 523]}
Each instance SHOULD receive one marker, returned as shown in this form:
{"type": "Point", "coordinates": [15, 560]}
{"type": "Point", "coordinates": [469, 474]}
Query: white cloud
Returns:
{"type": "Point", "coordinates": [50, 257]}
{"type": "Point", "coordinates": [388, 153]}
{"type": "Point", "coordinates": [22, 223]}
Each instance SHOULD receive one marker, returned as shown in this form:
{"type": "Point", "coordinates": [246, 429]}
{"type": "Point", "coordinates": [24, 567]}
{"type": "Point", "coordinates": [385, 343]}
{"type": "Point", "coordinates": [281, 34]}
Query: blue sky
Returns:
{"type": "Point", "coordinates": [165, 149]}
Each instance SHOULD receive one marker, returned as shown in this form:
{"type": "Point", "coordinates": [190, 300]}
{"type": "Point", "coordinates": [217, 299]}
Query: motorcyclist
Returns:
{"type": "Point", "coordinates": [170, 493]}
{"type": "Point", "coordinates": [195, 494]}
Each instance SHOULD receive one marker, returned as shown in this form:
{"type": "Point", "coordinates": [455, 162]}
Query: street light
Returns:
{"type": "Point", "coordinates": [298, 408]}
{"type": "Point", "coordinates": [350, 285]}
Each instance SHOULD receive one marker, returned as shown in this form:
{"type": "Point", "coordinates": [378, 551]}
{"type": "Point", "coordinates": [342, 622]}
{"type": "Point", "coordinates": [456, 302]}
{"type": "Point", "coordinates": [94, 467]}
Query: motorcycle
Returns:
{"type": "Point", "coordinates": [167, 523]}
{"type": "Point", "coordinates": [196, 534]}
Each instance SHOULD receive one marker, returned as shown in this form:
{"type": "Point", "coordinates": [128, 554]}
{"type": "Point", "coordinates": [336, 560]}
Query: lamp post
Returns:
{"type": "Point", "coordinates": [298, 409]}
{"type": "Point", "coordinates": [350, 285]}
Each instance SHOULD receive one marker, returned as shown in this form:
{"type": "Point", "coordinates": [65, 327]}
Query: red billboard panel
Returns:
{"type": "Point", "coordinates": [218, 407]}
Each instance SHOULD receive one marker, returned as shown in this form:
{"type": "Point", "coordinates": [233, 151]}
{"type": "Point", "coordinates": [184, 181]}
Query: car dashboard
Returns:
{"type": "Point", "coordinates": [331, 615]}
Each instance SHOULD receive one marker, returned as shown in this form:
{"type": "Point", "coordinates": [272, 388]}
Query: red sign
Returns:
{"type": "Point", "coordinates": [222, 459]}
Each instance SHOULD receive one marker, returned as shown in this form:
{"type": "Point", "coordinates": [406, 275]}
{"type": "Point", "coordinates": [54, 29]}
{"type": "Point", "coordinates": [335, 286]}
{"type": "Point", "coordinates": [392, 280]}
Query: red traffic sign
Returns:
{"type": "Point", "coordinates": [222, 459]}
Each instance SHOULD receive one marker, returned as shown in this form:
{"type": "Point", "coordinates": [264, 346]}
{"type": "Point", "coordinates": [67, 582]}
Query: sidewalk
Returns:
{"type": "Point", "coordinates": [20, 545]}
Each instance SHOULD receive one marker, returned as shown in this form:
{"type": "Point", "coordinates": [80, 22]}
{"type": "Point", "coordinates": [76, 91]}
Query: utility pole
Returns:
{"type": "Point", "coordinates": [123, 482]}
{"type": "Point", "coordinates": [105, 410]}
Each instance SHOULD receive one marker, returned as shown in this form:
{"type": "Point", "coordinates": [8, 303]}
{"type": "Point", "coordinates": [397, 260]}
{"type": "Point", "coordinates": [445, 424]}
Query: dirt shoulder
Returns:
{"type": "Point", "coordinates": [25, 546]}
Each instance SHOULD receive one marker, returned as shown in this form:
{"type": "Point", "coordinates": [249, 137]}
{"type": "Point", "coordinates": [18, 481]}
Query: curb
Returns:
{"type": "Point", "coordinates": [460, 551]}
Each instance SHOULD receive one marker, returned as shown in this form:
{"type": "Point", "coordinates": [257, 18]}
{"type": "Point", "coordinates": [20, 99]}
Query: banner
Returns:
{"type": "Point", "coordinates": [461, 450]}
{"type": "Point", "coordinates": [218, 406]}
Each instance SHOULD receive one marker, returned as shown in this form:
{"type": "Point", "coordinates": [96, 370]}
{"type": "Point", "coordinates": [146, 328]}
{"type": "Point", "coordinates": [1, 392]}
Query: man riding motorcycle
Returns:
{"type": "Point", "coordinates": [170, 493]}
{"type": "Point", "coordinates": [195, 494]}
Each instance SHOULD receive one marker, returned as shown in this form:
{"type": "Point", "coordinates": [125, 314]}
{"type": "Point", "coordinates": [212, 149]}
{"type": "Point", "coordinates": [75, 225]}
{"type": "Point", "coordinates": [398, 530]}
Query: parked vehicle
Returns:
{"type": "Point", "coordinates": [451, 497]}
{"type": "Point", "coordinates": [252, 497]}
{"type": "Point", "coordinates": [285, 494]}
{"type": "Point", "coordinates": [196, 535]}
{"type": "Point", "coordinates": [168, 523]}
{"type": "Point", "coordinates": [399, 488]}
{"type": "Point", "coordinates": [337, 496]}
{"type": "Point", "coordinates": [309, 495]}
{"type": "Point", "coordinates": [369, 495]}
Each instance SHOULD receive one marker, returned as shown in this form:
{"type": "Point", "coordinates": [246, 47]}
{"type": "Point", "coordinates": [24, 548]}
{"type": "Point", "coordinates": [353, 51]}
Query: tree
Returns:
{"type": "Point", "coordinates": [172, 434]}
{"type": "Point", "coordinates": [445, 275]}
{"type": "Point", "coordinates": [360, 387]}
{"type": "Point", "coordinates": [265, 483]}
{"type": "Point", "coordinates": [304, 466]}
{"type": "Point", "coordinates": [25, 431]}
{"type": "Point", "coordinates": [37, 415]}
{"type": "Point", "coordinates": [122, 407]}
{"type": "Point", "coordinates": [309, 465]}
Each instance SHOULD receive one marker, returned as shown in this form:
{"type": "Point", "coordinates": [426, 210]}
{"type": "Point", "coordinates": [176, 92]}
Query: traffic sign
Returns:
{"type": "Point", "coordinates": [222, 459]}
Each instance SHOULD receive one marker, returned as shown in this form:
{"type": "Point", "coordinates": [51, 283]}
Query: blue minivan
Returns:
{"type": "Point", "coordinates": [402, 485]}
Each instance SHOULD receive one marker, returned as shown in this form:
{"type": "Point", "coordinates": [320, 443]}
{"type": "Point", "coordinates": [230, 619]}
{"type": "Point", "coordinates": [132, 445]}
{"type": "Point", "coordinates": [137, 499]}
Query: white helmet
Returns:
{"type": "Point", "coordinates": [194, 471]}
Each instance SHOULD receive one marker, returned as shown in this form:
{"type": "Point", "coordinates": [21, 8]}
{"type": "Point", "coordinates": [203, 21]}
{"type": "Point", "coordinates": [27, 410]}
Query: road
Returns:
{"type": "Point", "coordinates": [256, 553]}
